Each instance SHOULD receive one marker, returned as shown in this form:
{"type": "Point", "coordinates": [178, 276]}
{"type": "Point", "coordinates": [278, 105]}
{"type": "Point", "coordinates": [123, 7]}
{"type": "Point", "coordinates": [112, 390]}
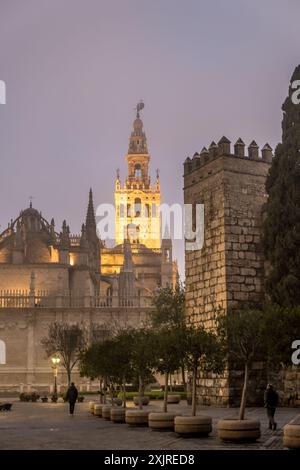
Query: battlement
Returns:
{"type": "Point", "coordinates": [223, 148]}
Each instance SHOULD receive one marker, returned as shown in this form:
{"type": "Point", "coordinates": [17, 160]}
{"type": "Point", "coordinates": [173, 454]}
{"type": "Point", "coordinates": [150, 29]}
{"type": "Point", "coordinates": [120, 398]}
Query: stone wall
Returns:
{"type": "Point", "coordinates": [27, 367]}
{"type": "Point", "coordinates": [229, 270]}
{"type": "Point", "coordinates": [48, 277]}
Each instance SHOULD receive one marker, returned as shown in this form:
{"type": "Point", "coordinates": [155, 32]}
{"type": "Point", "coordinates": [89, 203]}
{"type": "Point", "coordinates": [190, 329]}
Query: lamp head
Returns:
{"type": "Point", "coordinates": [55, 360]}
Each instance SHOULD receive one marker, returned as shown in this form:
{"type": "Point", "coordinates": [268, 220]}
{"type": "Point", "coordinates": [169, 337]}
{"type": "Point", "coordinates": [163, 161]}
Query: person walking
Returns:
{"type": "Point", "coordinates": [271, 402]}
{"type": "Point", "coordinates": [72, 395]}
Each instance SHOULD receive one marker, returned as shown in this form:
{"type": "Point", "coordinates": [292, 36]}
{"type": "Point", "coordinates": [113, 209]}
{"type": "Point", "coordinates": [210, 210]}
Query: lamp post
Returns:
{"type": "Point", "coordinates": [55, 361]}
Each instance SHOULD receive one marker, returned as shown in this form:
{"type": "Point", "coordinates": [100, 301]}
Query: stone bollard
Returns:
{"type": "Point", "coordinates": [173, 399]}
{"type": "Point", "coordinates": [137, 417]}
{"type": "Point", "coordinates": [98, 410]}
{"type": "Point", "coordinates": [162, 421]}
{"type": "Point", "coordinates": [145, 401]}
{"type": "Point", "coordinates": [193, 425]}
{"type": "Point", "coordinates": [117, 414]}
{"type": "Point", "coordinates": [291, 434]}
{"type": "Point", "coordinates": [106, 411]}
{"type": "Point", "coordinates": [239, 430]}
{"type": "Point", "coordinates": [91, 406]}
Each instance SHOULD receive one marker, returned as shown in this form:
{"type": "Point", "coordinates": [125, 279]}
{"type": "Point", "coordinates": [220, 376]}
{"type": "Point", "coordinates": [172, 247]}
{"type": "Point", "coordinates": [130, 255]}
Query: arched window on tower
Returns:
{"type": "Point", "coordinates": [132, 233]}
{"type": "Point", "coordinates": [137, 207]}
{"type": "Point", "coordinates": [137, 170]}
{"type": "Point", "coordinates": [154, 211]}
{"type": "Point", "coordinates": [122, 212]}
{"type": "Point", "coordinates": [2, 352]}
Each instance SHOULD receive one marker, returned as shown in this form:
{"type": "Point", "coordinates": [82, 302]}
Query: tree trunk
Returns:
{"type": "Point", "coordinates": [244, 394]}
{"type": "Point", "coordinates": [124, 394]}
{"type": "Point", "coordinates": [69, 376]}
{"type": "Point", "coordinates": [165, 408]}
{"type": "Point", "coordinates": [104, 390]}
{"type": "Point", "coordinates": [194, 392]}
{"type": "Point", "coordinates": [111, 393]}
{"type": "Point", "coordinates": [140, 392]}
{"type": "Point", "coordinates": [100, 390]}
{"type": "Point", "coordinates": [183, 378]}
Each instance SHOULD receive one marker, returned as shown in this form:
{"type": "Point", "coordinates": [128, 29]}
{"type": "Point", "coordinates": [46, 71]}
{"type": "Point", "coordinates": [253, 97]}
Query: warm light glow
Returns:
{"type": "Point", "coordinates": [55, 360]}
{"type": "Point", "coordinates": [54, 255]}
{"type": "Point", "coordinates": [71, 260]}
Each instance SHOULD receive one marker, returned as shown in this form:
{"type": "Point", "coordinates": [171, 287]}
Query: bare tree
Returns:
{"type": "Point", "coordinates": [67, 341]}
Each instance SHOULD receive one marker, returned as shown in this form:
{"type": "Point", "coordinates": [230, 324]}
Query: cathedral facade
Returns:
{"type": "Point", "coordinates": [49, 275]}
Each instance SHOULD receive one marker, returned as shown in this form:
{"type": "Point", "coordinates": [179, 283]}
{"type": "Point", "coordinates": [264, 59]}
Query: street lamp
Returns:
{"type": "Point", "coordinates": [55, 361]}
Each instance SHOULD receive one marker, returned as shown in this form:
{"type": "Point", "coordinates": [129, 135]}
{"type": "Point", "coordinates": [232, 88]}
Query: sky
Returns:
{"type": "Point", "coordinates": [75, 70]}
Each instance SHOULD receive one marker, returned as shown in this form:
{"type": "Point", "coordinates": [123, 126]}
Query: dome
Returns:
{"type": "Point", "coordinates": [30, 212]}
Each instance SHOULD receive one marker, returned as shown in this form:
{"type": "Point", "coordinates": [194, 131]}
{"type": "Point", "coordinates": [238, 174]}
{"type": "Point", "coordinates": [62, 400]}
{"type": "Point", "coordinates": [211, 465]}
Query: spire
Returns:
{"type": "Point", "coordinates": [128, 263]}
{"type": "Point", "coordinates": [90, 222]}
{"type": "Point", "coordinates": [65, 236]}
{"type": "Point", "coordinates": [83, 240]}
{"type": "Point", "coordinates": [166, 235]}
{"type": "Point", "coordinates": [138, 141]}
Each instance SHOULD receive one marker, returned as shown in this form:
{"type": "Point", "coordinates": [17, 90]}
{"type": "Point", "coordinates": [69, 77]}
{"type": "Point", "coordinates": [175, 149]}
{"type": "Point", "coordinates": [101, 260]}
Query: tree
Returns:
{"type": "Point", "coordinates": [98, 360]}
{"type": "Point", "coordinates": [282, 327]}
{"type": "Point", "coordinates": [169, 312]}
{"type": "Point", "coordinates": [169, 353]}
{"type": "Point", "coordinates": [143, 355]}
{"type": "Point", "coordinates": [66, 340]}
{"type": "Point", "coordinates": [90, 365]}
{"type": "Point", "coordinates": [203, 351]}
{"type": "Point", "coordinates": [243, 334]}
{"type": "Point", "coordinates": [122, 371]}
{"type": "Point", "coordinates": [169, 306]}
{"type": "Point", "coordinates": [281, 237]}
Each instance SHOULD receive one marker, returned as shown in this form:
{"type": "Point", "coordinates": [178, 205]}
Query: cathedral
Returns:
{"type": "Point", "coordinates": [46, 267]}
{"type": "Point", "coordinates": [49, 275]}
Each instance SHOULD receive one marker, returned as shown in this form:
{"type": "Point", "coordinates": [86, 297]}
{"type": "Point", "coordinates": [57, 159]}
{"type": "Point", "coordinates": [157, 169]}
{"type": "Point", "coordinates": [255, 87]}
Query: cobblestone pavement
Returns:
{"type": "Point", "coordinates": [49, 426]}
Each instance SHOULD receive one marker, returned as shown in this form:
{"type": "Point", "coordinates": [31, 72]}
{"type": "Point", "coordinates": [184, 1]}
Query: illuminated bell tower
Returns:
{"type": "Point", "coordinates": [137, 202]}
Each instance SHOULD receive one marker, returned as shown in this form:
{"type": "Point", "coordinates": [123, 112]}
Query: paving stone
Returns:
{"type": "Point", "coordinates": [49, 426]}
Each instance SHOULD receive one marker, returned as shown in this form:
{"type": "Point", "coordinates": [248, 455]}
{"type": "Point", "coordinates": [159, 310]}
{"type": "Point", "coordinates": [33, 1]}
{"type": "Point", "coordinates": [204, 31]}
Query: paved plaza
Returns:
{"type": "Point", "coordinates": [49, 426]}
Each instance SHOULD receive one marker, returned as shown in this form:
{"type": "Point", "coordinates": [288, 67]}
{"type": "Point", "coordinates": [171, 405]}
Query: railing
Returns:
{"type": "Point", "coordinates": [44, 299]}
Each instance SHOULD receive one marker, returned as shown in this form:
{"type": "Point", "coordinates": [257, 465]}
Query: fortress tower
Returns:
{"type": "Point", "coordinates": [229, 270]}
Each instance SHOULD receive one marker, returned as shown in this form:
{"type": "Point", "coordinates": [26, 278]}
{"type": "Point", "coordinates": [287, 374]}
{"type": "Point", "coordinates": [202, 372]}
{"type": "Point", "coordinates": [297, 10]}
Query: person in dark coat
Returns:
{"type": "Point", "coordinates": [271, 402]}
{"type": "Point", "coordinates": [72, 395]}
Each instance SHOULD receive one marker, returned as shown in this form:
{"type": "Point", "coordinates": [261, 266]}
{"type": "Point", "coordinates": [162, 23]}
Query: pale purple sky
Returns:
{"type": "Point", "coordinates": [75, 69]}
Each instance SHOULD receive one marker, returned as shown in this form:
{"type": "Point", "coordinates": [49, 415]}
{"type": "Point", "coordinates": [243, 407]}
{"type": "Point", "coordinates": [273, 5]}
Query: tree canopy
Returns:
{"type": "Point", "coordinates": [281, 238]}
{"type": "Point", "coordinates": [66, 340]}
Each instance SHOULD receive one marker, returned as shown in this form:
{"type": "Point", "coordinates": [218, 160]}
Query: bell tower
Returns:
{"type": "Point", "coordinates": [138, 202]}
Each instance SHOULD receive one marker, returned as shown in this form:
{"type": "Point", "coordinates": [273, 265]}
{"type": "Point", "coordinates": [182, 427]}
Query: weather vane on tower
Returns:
{"type": "Point", "coordinates": [139, 108]}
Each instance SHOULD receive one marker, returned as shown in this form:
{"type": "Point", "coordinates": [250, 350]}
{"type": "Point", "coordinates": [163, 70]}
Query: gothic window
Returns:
{"type": "Point", "coordinates": [122, 210]}
{"type": "Point", "coordinates": [2, 352]}
{"type": "Point", "coordinates": [128, 210]}
{"type": "Point", "coordinates": [137, 170]}
{"type": "Point", "coordinates": [137, 207]}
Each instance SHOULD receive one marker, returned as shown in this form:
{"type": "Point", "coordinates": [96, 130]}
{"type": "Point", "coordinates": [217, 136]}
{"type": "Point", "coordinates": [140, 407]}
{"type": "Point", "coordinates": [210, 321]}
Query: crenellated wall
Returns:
{"type": "Point", "coordinates": [229, 270]}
